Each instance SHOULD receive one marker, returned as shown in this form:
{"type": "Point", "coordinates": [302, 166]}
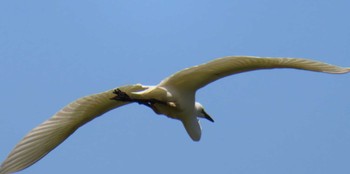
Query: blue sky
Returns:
{"type": "Point", "coordinates": [277, 121]}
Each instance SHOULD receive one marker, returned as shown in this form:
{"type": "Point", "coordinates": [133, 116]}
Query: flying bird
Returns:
{"type": "Point", "coordinates": [174, 97]}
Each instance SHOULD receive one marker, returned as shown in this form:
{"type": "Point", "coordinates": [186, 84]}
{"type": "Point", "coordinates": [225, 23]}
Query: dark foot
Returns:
{"type": "Point", "coordinates": [121, 96]}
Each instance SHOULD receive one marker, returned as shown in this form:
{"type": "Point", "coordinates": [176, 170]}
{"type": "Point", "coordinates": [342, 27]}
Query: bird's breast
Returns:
{"type": "Point", "coordinates": [170, 111]}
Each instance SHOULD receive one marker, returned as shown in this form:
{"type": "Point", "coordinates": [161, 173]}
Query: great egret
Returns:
{"type": "Point", "coordinates": [173, 97]}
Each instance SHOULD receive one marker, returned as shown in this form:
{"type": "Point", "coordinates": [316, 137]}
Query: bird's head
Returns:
{"type": "Point", "coordinates": [200, 112]}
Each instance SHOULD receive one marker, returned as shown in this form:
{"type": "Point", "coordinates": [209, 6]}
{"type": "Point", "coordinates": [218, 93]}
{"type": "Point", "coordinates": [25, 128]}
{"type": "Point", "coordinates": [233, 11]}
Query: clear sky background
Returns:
{"type": "Point", "coordinates": [267, 122]}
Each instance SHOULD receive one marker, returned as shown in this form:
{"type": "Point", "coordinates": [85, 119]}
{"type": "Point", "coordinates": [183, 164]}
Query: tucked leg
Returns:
{"type": "Point", "coordinates": [122, 96]}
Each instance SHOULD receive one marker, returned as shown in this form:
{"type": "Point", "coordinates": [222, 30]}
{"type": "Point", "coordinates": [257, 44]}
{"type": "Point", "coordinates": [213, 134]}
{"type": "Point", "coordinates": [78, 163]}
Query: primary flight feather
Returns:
{"type": "Point", "coordinates": [173, 97]}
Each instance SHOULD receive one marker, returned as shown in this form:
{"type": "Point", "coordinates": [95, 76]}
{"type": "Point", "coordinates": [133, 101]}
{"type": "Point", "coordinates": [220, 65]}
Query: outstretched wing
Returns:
{"type": "Point", "coordinates": [196, 77]}
{"type": "Point", "coordinates": [45, 137]}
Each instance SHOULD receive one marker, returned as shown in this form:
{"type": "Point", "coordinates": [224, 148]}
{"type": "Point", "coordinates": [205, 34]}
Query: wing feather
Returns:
{"type": "Point", "coordinates": [48, 135]}
{"type": "Point", "coordinates": [193, 78]}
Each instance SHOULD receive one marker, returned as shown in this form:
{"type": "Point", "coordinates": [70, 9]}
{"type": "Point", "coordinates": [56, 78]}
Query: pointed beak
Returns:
{"type": "Point", "coordinates": [207, 116]}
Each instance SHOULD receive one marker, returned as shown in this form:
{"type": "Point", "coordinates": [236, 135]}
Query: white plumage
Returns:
{"type": "Point", "coordinates": [173, 97]}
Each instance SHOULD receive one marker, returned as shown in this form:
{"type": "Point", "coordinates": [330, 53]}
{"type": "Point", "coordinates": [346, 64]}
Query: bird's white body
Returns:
{"type": "Point", "coordinates": [179, 105]}
{"type": "Point", "coordinates": [173, 97]}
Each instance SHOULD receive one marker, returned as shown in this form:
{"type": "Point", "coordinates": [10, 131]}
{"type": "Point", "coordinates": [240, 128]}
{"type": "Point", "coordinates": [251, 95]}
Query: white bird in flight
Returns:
{"type": "Point", "coordinates": [173, 97]}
